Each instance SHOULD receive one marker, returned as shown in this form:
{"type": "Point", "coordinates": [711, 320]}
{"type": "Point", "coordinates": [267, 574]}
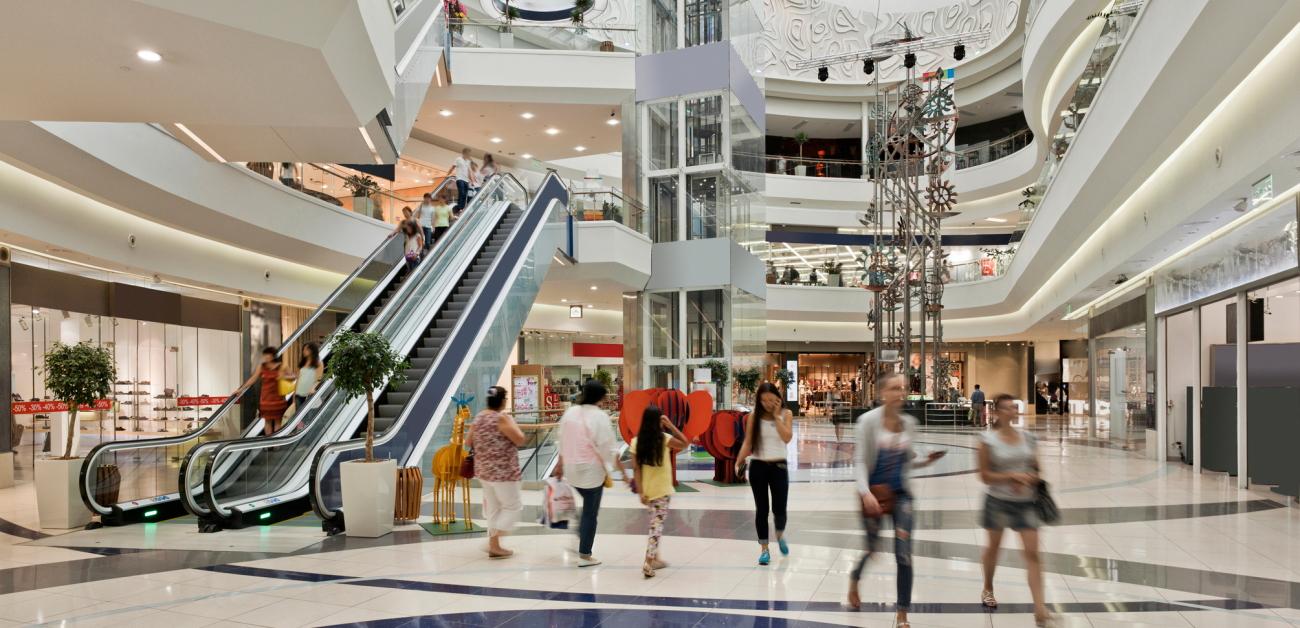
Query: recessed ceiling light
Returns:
{"type": "Point", "coordinates": [564, 300]}
{"type": "Point", "coordinates": [527, 115]}
{"type": "Point", "coordinates": [580, 148]}
{"type": "Point", "coordinates": [552, 131]}
{"type": "Point", "coordinates": [593, 287]}
{"type": "Point", "coordinates": [446, 113]}
{"type": "Point", "coordinates": [612, 122]}
{"type": "Point", "coordinates": [995, 219]}
{"type": "Point", "coordinates": [495, 140]}
{"type": "Point", "coordinates": [589, 306]}
{"type": "Point", "coordinates": [148, 55]}
{"type": "Point", "coordinates": [527, 156]}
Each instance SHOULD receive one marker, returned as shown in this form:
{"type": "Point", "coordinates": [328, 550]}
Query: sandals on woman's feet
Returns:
{"type": "Point", "coordinates": [647, 570]}
{"type": "Point", "coordinates": [658, 564]}
{"type": "Point", "coordinates": [502, 554]}
{"type": "Point", "coordinates": [987, 599]}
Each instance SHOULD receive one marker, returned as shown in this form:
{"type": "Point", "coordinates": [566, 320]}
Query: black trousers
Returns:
{"type": "Point", "coordinates": [765, 477]}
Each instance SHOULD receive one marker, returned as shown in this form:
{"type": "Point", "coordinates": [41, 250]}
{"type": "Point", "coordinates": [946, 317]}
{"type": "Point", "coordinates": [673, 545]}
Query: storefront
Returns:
{"type": "Point", "coordinates": [550, 367]}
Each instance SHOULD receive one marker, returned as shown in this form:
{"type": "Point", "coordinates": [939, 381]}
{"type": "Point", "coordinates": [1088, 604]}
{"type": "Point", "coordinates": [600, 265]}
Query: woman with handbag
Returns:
{"type": "Point", "coordinates": [271, 402]}
{"type": "Point", "coordinates": [496, 438]}
{"type": "Point", "coordinates": [587, 450]}
{"type": "Point", "coordinates": [883, 468]}
{"type": "Point", "coordinates": [1008, 464]}
{"type": "Point", "coordinates": [768, 430]}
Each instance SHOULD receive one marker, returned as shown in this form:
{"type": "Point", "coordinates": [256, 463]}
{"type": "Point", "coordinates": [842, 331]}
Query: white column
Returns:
{"type": "Point", "coordinates": [1162, 392]}
{"type": "Point", "coordinates": [1243, 385]}
{"type": "Point", "coordinates": [1196, 393]}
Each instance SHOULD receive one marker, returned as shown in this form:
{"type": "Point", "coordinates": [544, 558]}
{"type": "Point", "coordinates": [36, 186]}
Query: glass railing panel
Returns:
{"type": "Point", "coordinates": [590, 205]}
{"type": "Point", "coordinates": [333, 184]}
{"type": "Point", "coordinates": [266, 467]}
{"type": "Point", "coordinates": [986, 152]}
{"type": "Point", "coordinates": [467, 33]}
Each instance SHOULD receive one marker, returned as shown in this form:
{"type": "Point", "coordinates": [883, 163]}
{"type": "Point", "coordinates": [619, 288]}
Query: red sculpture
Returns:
{"type": "Point", "coordinates": [723, 440]}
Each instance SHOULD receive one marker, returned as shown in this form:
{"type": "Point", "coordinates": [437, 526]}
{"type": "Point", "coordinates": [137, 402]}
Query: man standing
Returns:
{"type": "Point", "coordinates": [462, 168]}
{"type": "Point", "coordinates": [977, 404]}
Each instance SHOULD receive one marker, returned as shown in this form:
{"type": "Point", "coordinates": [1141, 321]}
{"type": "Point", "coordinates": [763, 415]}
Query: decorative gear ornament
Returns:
{"type": "Point", "coordinates": [941, 195]}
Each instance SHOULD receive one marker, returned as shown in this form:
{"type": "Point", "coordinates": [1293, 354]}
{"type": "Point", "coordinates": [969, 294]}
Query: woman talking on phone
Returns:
{"type": "Point", "coordinates": [883, 465]}
{"type": "Point", "coordinates": [768, 429]}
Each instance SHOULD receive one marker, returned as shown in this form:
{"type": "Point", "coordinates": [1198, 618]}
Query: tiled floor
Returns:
{"type": "Point", "coordinates": [1141, 543]}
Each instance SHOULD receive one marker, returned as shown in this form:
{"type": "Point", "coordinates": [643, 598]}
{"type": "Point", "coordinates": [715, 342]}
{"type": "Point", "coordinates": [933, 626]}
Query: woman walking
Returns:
{"type": "Point", "coordinates": [882, 469]}
{"type": "Point", "coordinates": [654, 450]}
{"type": "Point", "coordinates": [587, 450]}
{"type": "Point", "coordinates": [1008, 464]}
{"type": "Point", "coordinates": [496, 438]}
{"type": "Point", "coordinates": [768, 429]}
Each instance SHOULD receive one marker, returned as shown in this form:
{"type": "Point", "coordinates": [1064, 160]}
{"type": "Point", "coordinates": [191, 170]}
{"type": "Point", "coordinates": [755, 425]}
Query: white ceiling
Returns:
{"type": "Point", "coordinates": [475, 123]}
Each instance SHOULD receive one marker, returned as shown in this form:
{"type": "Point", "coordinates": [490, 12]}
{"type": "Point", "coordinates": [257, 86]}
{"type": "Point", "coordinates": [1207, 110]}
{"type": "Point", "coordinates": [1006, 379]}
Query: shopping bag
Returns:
{"type": "Point", "coordinates": [558, 505]}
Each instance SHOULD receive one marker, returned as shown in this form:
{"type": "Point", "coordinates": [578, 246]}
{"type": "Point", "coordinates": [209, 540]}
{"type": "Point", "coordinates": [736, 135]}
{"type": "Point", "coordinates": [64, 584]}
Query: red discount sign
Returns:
{"type": "Point", "coordinates": [988, 267]}
{"type": "Point", "coordinates": [40, 407]}
{"type": "Point", "coordinates": [189, 402]}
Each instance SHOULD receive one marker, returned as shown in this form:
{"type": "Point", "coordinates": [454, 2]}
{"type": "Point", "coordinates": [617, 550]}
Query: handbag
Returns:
{"type": "Point", "coordinates": [1045, 504]}
{"type": "Point", "coordinates": [884, 496]}
{"type": "Point", "coordinates": [467, 466]}
{"type": "Point", "coordinates": [285, 387]}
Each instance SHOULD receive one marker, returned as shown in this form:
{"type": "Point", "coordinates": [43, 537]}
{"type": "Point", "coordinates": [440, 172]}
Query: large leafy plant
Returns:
{"type": "Point", "coordinates": [359, 364]}
{"type": "Point", "coordinates": [78, 375]}
{"type": "Point", "coordinates": [747, 380]}
{"type": "Point", "coordinates": [361, 185]}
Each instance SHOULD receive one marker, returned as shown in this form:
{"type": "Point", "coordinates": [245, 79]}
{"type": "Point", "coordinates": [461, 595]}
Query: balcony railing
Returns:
{"type": "Point", "coordinates": [471, 33]}
{"type": "Point", "coordinates": [851, 275]}
{"type": "Point", "coordinates": [993, 150]}
{"type": "Point", "coordinates": [608, 204]}
{"type": "Point", "coordinates": [328, 183]}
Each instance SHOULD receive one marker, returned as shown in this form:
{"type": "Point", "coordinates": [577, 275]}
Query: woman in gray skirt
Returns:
{"type": "Point", "coordinates": [1008, 464]}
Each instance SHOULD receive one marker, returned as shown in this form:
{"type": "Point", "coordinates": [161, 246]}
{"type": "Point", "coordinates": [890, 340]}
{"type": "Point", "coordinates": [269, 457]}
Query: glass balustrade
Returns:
{"type": "Point", "coordinates": [472, 33]}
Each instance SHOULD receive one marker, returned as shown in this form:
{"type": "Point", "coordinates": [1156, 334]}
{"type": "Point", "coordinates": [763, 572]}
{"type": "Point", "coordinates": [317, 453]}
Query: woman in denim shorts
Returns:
{"type": "Point", "coordinates": [1008, 464]}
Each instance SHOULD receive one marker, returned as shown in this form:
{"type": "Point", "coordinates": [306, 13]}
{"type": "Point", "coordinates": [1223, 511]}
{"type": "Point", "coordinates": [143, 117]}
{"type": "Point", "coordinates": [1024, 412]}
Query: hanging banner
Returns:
{"type": "Point", "coordinates": [37, 407]}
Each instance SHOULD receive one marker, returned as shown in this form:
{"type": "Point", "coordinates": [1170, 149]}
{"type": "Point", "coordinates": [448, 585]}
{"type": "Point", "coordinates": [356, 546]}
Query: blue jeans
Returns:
{"type": "Point", "coordinates": [462, 195]}
{"type": "Point", "coordinates": [590, 511]}
{"type": "Point", "coordinates": [903, 522]}
{"type": "Point", "coordinates": [428, 237]}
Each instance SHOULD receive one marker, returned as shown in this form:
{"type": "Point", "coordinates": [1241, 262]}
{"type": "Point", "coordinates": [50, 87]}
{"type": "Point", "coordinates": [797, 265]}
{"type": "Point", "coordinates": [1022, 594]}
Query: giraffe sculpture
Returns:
{"type": "Point", "coordinates": [446, 470]}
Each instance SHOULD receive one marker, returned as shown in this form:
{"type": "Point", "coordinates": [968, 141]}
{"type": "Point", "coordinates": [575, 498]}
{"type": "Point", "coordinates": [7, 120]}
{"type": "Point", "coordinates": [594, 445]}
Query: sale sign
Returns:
{"type": "Point", "coordinates": [987, 267]}
{"type": "Point", "coordinates": [189, 402]}
{"type": "Point", "coordinates": [41, 407]}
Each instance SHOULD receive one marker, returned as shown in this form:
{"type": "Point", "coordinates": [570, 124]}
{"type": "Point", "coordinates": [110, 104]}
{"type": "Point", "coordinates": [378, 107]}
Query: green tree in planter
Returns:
{"type": "Point", "coordinates": [359, 364]}
{"type": "Point", "coordinates": [605, 378]}
{"type": "Point", "coordinates": [747, 381]}
{"type": "Point", "coordinates": [784, 377]}
{"type": "Point", "coordinates": [720, 373]}
{"type": "Point", "coordinates": [78, 375]}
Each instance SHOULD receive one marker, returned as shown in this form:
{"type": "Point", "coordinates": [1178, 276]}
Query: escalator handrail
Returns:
{"type": "Point", "coordinates": [331, 451]}
{"type": "Point", "coordinates": [233, 446]}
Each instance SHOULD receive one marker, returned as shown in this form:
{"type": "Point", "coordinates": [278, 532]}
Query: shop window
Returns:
{"type": "Point", "coordinates": [662, 118]}
{"type": "Point", "coordinates": [663, 208]}
{"type": "Point", "coordinates": [664, 376]}
{"type": "Point", "coordinates": [703, 22]}
{"type": "Point", "coordinates": [663, 324]}
{"type": "Point", "coordinates": [704, 130]}
{"type": "Point", "coordinates": [704, 316]}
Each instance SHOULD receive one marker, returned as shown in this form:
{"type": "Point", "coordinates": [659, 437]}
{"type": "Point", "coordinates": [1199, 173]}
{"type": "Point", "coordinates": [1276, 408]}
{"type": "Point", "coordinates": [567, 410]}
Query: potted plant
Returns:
{"type": "Point", "coordinates": [784, 377]}
{"type": "Point", "coordinates": [801, 169]}
{"type": "Point", "coordinates": [747, 382]}
{"type": "Point", "coordinates": [363, 188]}
{"type": "Point", "coordinates": [78, 375]}
{"type": "Point", "coordinates": [359, 364]}
{"type": "Point", "coordinates": [611, 211]}
{"type": "Point", "coordinates": [508, 16]}
{"type": "Point", "coordinates": [455, 17]}
{"type": "Point", "coordinates": [832, 269]}
{"type": "Point", "coordinates": [719, 374]}
{"type": "Point", "coordinates": [579, 13]}
{"type": "Point", "coordinates": [605, 378]}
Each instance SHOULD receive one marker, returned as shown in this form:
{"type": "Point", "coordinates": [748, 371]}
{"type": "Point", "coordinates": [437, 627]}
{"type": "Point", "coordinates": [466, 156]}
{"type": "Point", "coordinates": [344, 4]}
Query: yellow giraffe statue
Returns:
{"type": "Point", "coordinates": [446, 471]}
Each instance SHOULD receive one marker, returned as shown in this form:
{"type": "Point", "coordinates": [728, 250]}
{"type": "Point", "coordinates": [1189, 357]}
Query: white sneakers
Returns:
{"type": "Point", "coordinates": [587, 561]}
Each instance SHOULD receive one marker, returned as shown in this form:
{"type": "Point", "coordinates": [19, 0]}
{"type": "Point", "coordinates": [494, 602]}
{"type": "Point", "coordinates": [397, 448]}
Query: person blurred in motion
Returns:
{"type": "Point", "coordinates": [587, 450]}
{"type": "Point", "coordinates": [653, 448]}
{"type": "Point", "coordinates": [442, 215]}
{"type": "Point", "coordinates": [768, 430]}
{"type": "Point", "coordinates": [271, 405]}
{"type": "Point", "coordinates": [414, 243]}
{"type": "Point", "coordinates": [463, 169]}
{"type": "Point", "coordinates": [883, 463]}
{"type": "Point", "coordinates": [425, 216]}
{"type": "Point", "coordinates": [1008, 465]}
{"type": "Point", "coordinates": [495, 439]}
{"type": "Point", "coordinates": [309, 368]}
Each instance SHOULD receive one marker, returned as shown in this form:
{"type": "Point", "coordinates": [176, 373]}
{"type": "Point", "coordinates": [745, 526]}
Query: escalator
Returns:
{"type": "Point", "coordinates": [258, 481]}
{"type": "Point", "coordinates": [468, 341]}
{"type": "Point", "coordinates": [133, 481]}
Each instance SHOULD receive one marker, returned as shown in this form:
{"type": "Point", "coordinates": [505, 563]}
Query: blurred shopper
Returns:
{"type": "Point", "coordinates": [463, 169]}
{"type": "Point", "coordinates": [441, 215]}
{"type": "Point", "coordinates": [309, 368]}
{"type": "Point", "coordinates": [653, 449]}
{"type": "Point", "coordinates": [271, 405]}
{"type": "Point", "coordinates": [414, 242]}
{"type": "Point", "coordinates": [587, 450]}
{"type": "Point", "coordinates": [488, 169]}
{"type": "Point", "coordinates": [882, 468]}
{"type": "Point", "coordinates": [425, 217]}
{"type": "Point", "coordinates": [496, 438]}
{"type": "Point", "coordinates": [1008, 464]}
{"type": "Point", "coordinates": [768, 430]}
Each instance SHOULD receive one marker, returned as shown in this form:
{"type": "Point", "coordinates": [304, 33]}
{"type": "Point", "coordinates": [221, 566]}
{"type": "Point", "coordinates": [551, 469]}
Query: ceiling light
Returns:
{"type": "Point", "coordinates": [995, 219]}
{"type": "Point", "coordinates": [527, 155]}
{"type": "Point", "coordinates": [593, 287]}
{"type": "Point", "coordinates": [495, 140]}
{"type": "Point", "coordinates": [613, 119]}
{"type": "Point", "coordinates": [552, 131]}
{"type": "Point", "coordinates": [580, 148]}
{"type": "Point", "coordinates": [564, 300]}
{"type": "Point", "coordinates": [148, 55]}
{"type": "Point", "coordinates": [527, 115]}
{"type": "Point", "coordinates": [446, 113]}
{"type": "Point", "coordinates": [823, 74]}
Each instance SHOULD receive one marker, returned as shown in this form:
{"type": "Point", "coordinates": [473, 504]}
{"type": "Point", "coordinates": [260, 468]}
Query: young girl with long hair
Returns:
{"type": "Point", "coordinates": [654, 446]}
{"type": "Point", "coordinates": [768, 429]}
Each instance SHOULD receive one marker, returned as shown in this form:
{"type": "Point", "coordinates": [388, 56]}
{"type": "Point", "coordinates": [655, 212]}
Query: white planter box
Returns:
{"type": "Point", "coordinates": [833, 281]}
{"type": "Point", "coordinates": [58, 498]}
{"type": "Point", "coordinates": [369, 491]}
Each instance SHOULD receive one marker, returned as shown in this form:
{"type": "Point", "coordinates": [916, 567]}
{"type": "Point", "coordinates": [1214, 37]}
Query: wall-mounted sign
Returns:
{"type": "Point", "coordinates": [1261, 191]}
{"type": "Point", "coordinates": [575, 311]}
{"type": "Point", "coordinates": [792, 391]}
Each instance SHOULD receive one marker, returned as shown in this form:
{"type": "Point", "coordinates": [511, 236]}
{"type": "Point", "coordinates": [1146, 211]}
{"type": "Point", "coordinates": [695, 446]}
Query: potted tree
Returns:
{"type": "Point", "coordinates": [579, 14]}
{"type": "Point", "coordinates": [359, 364]}
{"type": "Point", "coordinates": [78, 375]}
{"type": "Point", "coordinates": [747, 382]}
{"type": "Point", "coordinates": [719, 374]}
{"type": "Point", "coordinates": [363, 188]}
{"type": "Point", "coordinates": [801, 169]}
{"type": "Point", "coordinates": [784, 377]}
{"type": "Point", "coordinates": [611, 211]}
{"type": "Point", "coordinates": [508, 17]}
{"type": "Point", "coordinates": [832, 269]}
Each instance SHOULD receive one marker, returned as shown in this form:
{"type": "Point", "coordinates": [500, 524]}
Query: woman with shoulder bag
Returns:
{"type": "Point", "coordinates": [587, 449]}
{"type": "Point", "coordinates": [1008, 464]}
{"type": "Point", "coordinates": [768, 430]}
{"type": "Point", "coordinates": [496, 438]}
{"type": "Point", "coordinates": [882, 470]}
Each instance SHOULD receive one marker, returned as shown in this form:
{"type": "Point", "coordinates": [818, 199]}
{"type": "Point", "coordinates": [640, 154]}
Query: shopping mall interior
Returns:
{"type": "Point", "coordinates": [325, 313]}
